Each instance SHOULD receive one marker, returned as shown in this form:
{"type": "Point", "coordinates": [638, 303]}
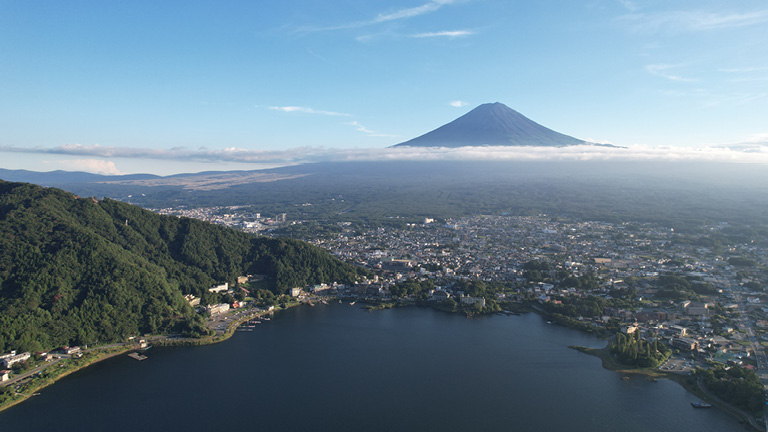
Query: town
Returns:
{"type": "Point", "coordinates": [699, 292]}
{"type": "Point", "coordinates": [714, 311]}
{"type": "Point", "coordinates": [697, 296]}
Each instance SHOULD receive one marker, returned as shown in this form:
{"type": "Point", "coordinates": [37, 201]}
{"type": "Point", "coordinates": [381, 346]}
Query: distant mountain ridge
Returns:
{"type": "Point", "coordinates": [52, 178]}
{"type": "Point", "coordinates": [493, 124]}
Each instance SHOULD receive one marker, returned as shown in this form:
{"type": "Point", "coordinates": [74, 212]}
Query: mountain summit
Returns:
{"type": "Point", "coordinates": [492, 124]}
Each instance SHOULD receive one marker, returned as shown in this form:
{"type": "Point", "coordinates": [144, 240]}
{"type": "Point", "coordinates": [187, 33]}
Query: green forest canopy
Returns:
{"type": "Point", "coordinates": [77, 270]}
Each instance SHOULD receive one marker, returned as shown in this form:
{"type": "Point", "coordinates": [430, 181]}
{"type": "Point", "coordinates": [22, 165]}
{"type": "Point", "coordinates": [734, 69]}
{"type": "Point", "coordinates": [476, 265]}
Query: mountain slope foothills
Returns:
{"type": "Point", "coordinates": [77, 271]}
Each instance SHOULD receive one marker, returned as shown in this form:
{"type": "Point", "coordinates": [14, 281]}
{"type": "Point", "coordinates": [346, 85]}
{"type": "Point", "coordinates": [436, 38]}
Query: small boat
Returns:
{"type": "Point", "coordinates": [352, 303]}
{"type": "Point", "coordinates": [549, 322]}
{"type": "Point", "coordinates": [625, 378]}
{"type": "Point", "coordinates": [700, 405]}
{"type": "Point", "coordinates": [652, 379]}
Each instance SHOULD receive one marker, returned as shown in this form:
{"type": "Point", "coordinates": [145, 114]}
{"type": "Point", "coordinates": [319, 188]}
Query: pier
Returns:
{"type": "Point", "coordinates": [137, 356]}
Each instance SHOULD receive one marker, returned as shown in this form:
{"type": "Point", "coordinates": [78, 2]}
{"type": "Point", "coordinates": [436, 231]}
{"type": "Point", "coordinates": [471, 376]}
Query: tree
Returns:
{"type": "Point", "coordinates": [73, 271]}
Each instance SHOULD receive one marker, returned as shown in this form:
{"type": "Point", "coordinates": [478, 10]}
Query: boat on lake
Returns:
{"type": "Point", "coordinates": [700, 405]}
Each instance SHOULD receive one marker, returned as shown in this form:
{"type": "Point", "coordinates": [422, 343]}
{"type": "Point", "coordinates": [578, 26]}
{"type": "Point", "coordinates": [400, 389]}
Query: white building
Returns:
{"type": "Point", "coordinates": [17, 358]}
{"type": "Point", "coordinates": [217, 309]}
{"type": "Point", "coordinates": [219, 288]}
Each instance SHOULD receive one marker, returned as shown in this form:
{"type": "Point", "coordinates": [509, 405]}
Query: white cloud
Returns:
{"type": "Point", "coordinates": [707, 21]}
{"type": "Point", "coordinates": [412, 12]}
{"type": "Point", "coordinates": [758, 137]}
{"type": "Point", "coordinates": [663, 70]}
{"type": "Point", "coordinates": [745, 69]}
{"type": "Point", "coordinates": [753, 154]}
{"type": "Point", "coordinates": [361, 128]}
{"type": "Point", "coordinates": [734, 99]}
{"type": "Point", "coordinates": [449, 34]}
{"type": "Point", "coordinates": [306, 110]}
{"type": "Point", "coordinates": [630, 5]}
{"type": "Point", "coordinates": [457, 103]}
{"type": "Point", "coordinates": [97, 166]}
{"type": "Point", "coordinates": [396, 15]}
{"type": "Point", "coordinates": [598, 141]}
{"type": "Point", "coordinates": [367, 131]}
{"type": "Point", "coordinates": [693, 20]}
{"type": "Point", "coordinates": [753, 74]}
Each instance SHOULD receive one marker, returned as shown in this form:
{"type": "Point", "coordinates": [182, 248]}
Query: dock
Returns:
{"type": "Point", "coordinates": [137, 356]}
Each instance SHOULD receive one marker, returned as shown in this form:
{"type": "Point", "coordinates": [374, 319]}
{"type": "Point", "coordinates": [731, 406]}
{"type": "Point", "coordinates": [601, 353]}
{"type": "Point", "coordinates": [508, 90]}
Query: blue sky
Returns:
{"type": "Point", "coordinates": [183, 86]}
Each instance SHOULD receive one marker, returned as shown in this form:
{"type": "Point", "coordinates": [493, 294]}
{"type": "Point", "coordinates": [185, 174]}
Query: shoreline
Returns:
{"type": "Point", "coordinates": [683, 380]}
{"type": "Point", "coordinates": [100, 356]}
{"type": "Point", "coordinates": [607, 361]}
{"type": "Point", "coordinates": [48, 381]}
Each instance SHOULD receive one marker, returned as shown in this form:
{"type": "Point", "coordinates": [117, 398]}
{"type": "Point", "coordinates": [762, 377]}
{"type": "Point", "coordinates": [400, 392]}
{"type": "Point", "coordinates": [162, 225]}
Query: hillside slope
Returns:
{"type": "Point", "coordinates": [76, 270]}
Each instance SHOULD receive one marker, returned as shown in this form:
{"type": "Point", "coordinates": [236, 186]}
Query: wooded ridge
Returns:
{"type": "Point", "coordinates": [80, 271]}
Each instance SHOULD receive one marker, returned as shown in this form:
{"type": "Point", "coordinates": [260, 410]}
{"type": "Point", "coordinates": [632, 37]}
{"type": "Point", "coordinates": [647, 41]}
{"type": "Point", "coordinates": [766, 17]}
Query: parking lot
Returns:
{"type": "Point", "coordinates": [679, 364]}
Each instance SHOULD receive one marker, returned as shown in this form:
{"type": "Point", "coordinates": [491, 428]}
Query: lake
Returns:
{"type": "Point", "coordinates": [338, 368]}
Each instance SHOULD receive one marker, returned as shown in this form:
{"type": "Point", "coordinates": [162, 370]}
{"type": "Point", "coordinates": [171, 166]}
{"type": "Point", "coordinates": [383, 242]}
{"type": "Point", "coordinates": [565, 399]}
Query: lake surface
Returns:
{"type": "Point", "coordinates": [338, 368]}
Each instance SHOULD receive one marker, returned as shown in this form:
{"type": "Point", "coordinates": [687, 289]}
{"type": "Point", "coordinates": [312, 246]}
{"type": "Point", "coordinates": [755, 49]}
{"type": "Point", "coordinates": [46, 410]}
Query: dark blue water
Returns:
{"type": "Point", "coordinates": [339, 368]}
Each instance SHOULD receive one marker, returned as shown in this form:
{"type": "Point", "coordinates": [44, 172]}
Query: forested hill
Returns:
{"type": "Point", "coordinates": [77, 270]}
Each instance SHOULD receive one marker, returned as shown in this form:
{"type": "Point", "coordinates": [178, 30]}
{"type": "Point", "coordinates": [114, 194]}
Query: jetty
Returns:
{"type": "Point", "coordinates": [137, 356]}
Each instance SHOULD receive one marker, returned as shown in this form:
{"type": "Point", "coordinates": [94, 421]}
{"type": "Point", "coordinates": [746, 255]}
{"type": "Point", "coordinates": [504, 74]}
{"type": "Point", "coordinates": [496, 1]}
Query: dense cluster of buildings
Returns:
{"type": "Point", "coordinates": [240, 217]}
{"type": "Point", "coordinates": [728, 325]}
{"type": "Point", "coordinates": [619, 256]}
{"type": "Point", "coordinates": [12, 360]}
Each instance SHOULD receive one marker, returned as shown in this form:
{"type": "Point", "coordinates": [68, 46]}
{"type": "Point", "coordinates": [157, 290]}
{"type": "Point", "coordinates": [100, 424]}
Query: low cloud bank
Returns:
{"type": "Point", "coordinates": [743, 153]}
{"type": "Point", "coordinates": [89, 165]}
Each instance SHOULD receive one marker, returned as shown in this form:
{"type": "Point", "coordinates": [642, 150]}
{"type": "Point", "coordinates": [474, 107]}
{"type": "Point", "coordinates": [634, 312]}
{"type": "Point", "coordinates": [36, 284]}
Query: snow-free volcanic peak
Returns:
{"type": "Point", "coordinates": [492, 124]}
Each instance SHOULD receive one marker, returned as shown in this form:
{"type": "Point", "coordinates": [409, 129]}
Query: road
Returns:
{"type": "Point", "coordinates": [745, 414]}
{"type": "Point", "coordinates": [757, 349]}
{"type": "Point", "coordinates": [59, 357]}
{"type": "Point", "coordinates": [29, 373]}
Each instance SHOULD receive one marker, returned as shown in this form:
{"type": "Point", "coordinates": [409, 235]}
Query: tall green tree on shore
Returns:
{"type": "Point", "coordinates": [631, 349]}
